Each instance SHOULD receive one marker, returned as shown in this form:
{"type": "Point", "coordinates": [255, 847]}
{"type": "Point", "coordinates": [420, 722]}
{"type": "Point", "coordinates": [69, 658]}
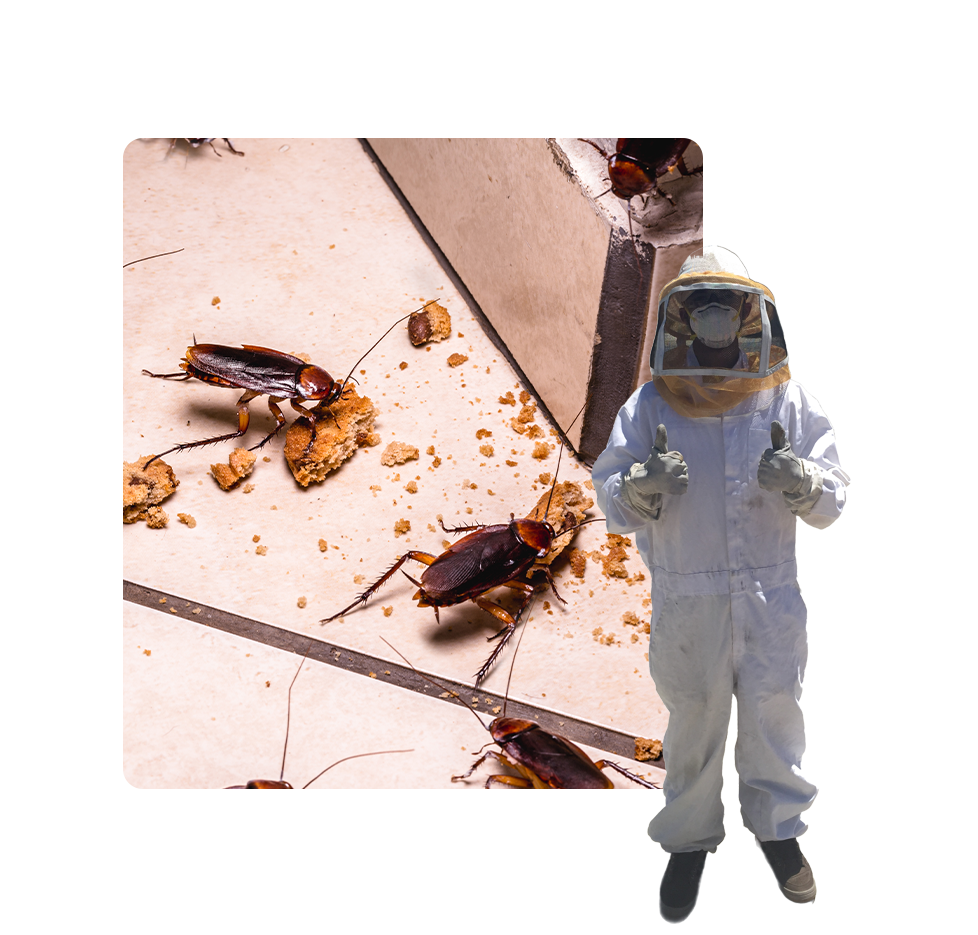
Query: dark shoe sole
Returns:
{"type": "Point", "coordinates": [681, 879]}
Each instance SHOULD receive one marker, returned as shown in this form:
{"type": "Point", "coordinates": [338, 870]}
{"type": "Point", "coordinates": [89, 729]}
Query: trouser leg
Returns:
{"type": "Point", "coordinates": [690, 662]}
{"type": "Point", "coordinates": [770, 651]}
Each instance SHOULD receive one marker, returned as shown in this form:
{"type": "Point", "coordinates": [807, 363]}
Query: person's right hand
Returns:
{"type": "Point", "coordinates": [664, 471]}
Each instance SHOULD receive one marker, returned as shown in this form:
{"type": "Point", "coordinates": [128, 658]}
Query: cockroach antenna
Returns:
{"type": "Point", "coordinates": [512, 664]}
{"type": "Point", "coordinates": [384, 335]}
{"type": "Point", "coordinates": [282, 784]}
{"type": "Point", "coordinates": [153, 257]}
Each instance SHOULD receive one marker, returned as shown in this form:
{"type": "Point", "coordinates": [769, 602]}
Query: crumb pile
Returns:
{"type": "Point", "coordinates": [398, 453]}
{"type": "Point", "coordinates": [241, 463]}
{"type": "Point", "coordinates": [567, 509]}
{"type": "Point", "coordinates": [647, 749]}
{"type": "Point", "coordinates": [143, 489]}
{"type": "Point", "coordinates": [337, 437]}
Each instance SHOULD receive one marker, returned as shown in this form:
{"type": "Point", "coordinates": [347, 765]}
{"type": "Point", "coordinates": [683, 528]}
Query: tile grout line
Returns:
{"type": "Point", "coordinates": [576, 729]}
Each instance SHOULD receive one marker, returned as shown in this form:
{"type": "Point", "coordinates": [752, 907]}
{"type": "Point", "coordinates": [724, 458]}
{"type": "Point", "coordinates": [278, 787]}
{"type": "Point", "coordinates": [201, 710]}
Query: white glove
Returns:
{"type": "Point", "coordinates": [664, 472]}
{"type": "Point", "coordinates": [799, 481]}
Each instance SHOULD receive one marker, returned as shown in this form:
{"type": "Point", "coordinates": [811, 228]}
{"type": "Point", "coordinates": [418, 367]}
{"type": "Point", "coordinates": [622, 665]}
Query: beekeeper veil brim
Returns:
{"type": "Point", "coordinates": [718, 339]}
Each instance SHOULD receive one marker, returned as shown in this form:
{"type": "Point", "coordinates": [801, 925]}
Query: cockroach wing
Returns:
{"type": "Point", "coordinates": [558, 763]}
{"type": "Point", "coordinates": [476, 563]}
{"type": "Point", "coordinates": [249, 367]}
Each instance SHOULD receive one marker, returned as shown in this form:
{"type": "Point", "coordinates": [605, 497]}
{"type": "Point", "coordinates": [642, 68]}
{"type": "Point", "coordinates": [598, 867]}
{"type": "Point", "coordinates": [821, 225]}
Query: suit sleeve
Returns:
{"type": "Point", "coordinates": [631, 441]}
{"type": "Point", "coordinates": [813, 439]}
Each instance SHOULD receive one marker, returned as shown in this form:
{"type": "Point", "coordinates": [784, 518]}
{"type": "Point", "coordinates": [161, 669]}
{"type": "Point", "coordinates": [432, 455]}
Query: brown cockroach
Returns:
{"type": "Point", "coordinates": [542, 759]}
{"type": "Point", "coordinates": [489, 557]}
{"type": "Point", "coordinates": [280, 783]}
{"type": "Point", "coordinates": [260, 370]}
{"type": "Point", "coordinates": [196, 143]}
{"type": "Point", "coordinates": [634, 168]}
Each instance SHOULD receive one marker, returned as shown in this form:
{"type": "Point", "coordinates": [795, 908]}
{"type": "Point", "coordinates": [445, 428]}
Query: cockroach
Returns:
{"type": "Point", "coordinates": [489, 557]}
{"type": "Point", "coordinates": [260, 370]}
{"type": "Point", "coordinates": [542, 759]}
{"type": "Point", "coordinates": [153, 257]}
{"type": "Point", "coordinates": [634, 168]}
{"type": "Point", "coordinates": [209, 140]}
{"type": "Point", "coordinates": [280, 783]}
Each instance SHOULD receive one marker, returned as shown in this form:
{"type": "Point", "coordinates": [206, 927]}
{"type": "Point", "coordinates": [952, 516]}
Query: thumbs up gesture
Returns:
{"type": "Point", "coordinates": [780, 468]}
{"type": "Point", "coordinates": [663, 472]}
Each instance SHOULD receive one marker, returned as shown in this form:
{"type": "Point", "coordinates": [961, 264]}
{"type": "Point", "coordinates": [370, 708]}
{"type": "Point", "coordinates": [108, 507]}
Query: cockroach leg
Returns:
{"type": "Point", "coordinates": [460, 528]}
{"type": "Point", "coordinates": [601, 764]}
{"type": "Point", "coordinates": [550, 580]}
{"type": "Point", "coordinates": [513, 782]}
{"type": "Point", "coordinates": [182, 375]}
{"type": "Point", "coordinates": [504, 634]}
{"type": "Point", "coordinates": [244, 418]}
{"type": "Point", "coordinates": [424, 557]}
{"type": "Point", "coordinates": [273, 402]}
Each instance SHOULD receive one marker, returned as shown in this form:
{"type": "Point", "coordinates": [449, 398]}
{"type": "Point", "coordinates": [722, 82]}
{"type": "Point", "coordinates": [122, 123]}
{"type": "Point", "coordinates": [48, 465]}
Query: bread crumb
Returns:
{"type": "Point", "coordinates": [468, 509]}
{"type": "Point", "coordinates": [311, 456]}
{"type": "Point", "coordinates": [261, 550]}
{"type": "Point", "coordinates": [456, 360]}
{"type": "Point", "coordinates": [534, 431]}
{"type": "Point", "coordinates": [482, 433]}
{"type": "Point", "coordinates": [545, 479]}
{"type": "Point", "coordinates": [578, 562]}
{"type": "Point", "coordinates": [432, 323]}
{"type": "Point", "coordinates": [517, 427]}
{"type": "Point", "coordinates": [323, 546]}
{"type": "Point", "coordinates": [511, 463]}
{"type": "Point", "coordinates": [248, 488]}
{"type": "Point", "coordinates": [524, 396]}
{"type": "Point", "coordinates": [266, 459]}
{"type": "Point", "coordinates": [147, 652]}
{"type": "Point", "coordinates": [143, 489]}
{"type": "Point", "coordinates": [388, 610]}
{"type": "Point", "coordinates": [647, 749]}
{"type": "Point", "coordinates": [508, 399]}
{"type": "Point", "coordinates": [541, 450]}
{"type": "Point", "coordinates": [300, 603]}
{"type": "Point", "coordinates": [630, 618]}
{"type": "Point", "coordinates": [216, 300]}
{"type": "Point", "coordinates": [241, 463]}
{"type": "Point", "coordinates": [303, 357]}
{"type": "Point", "coordinates": [436, 462]}
{"type": "Point", "coordinates": [527, 413]}
{"type": "Point", "coordinates": [486, 451]}
{"type": "Point", "coordinates": [401, 527]}
{"type": "Point", "coordinates": [567, 508]}
{"type": "Point", "coordinates": [398, 453]}
{"type": "Point", "coordinates": [256, 538]}
{"type": "Point", "coordinates": [589, 484]}
{"type": "Point", "coordinates": [402, 365]}
{"type": "Point", "coordinates": [411, 486]}
{"type": "Point", "coordinates": [445, 544]}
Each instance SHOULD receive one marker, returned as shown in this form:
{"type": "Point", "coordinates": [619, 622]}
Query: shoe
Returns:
{"type": "Point", "coordinates": [790, 867]}
{"type": "Point", "coordinates": [680, 884]}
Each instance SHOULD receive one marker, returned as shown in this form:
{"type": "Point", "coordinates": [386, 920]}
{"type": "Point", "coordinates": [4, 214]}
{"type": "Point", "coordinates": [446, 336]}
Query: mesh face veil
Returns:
{"type": "Point", "coordinates": [718, 337]}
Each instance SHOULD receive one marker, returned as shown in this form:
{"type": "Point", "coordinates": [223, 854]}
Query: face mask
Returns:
{"type": "Point", "coordinates": [715, 325]}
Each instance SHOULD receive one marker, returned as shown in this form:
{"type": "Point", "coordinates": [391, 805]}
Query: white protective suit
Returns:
{"type": "Point", "coordinates": [727, 613]}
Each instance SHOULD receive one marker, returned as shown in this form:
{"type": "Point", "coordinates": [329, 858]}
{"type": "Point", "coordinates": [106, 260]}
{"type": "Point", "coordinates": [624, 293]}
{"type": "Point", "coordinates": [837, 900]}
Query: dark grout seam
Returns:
{"type": "Point", "coordinates": [580, 731]}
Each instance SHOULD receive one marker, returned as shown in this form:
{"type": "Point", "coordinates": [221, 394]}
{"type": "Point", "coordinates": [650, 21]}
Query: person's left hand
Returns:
{"type": "Point", "coordinates": [780, 468]}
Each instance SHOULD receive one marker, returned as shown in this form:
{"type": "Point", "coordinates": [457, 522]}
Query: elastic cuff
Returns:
{"type": "Point", "coordinates": [802, 503]}
{"type": "Point", "coordinates": [647, 507]}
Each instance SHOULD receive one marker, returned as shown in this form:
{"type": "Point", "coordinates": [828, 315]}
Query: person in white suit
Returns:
{"type": "Point", "coordinates": [714, 521]}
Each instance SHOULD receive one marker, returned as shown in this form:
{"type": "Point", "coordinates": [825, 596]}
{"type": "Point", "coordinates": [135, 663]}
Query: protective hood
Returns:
{"type": "Point", "coordinates": [718, 338]}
